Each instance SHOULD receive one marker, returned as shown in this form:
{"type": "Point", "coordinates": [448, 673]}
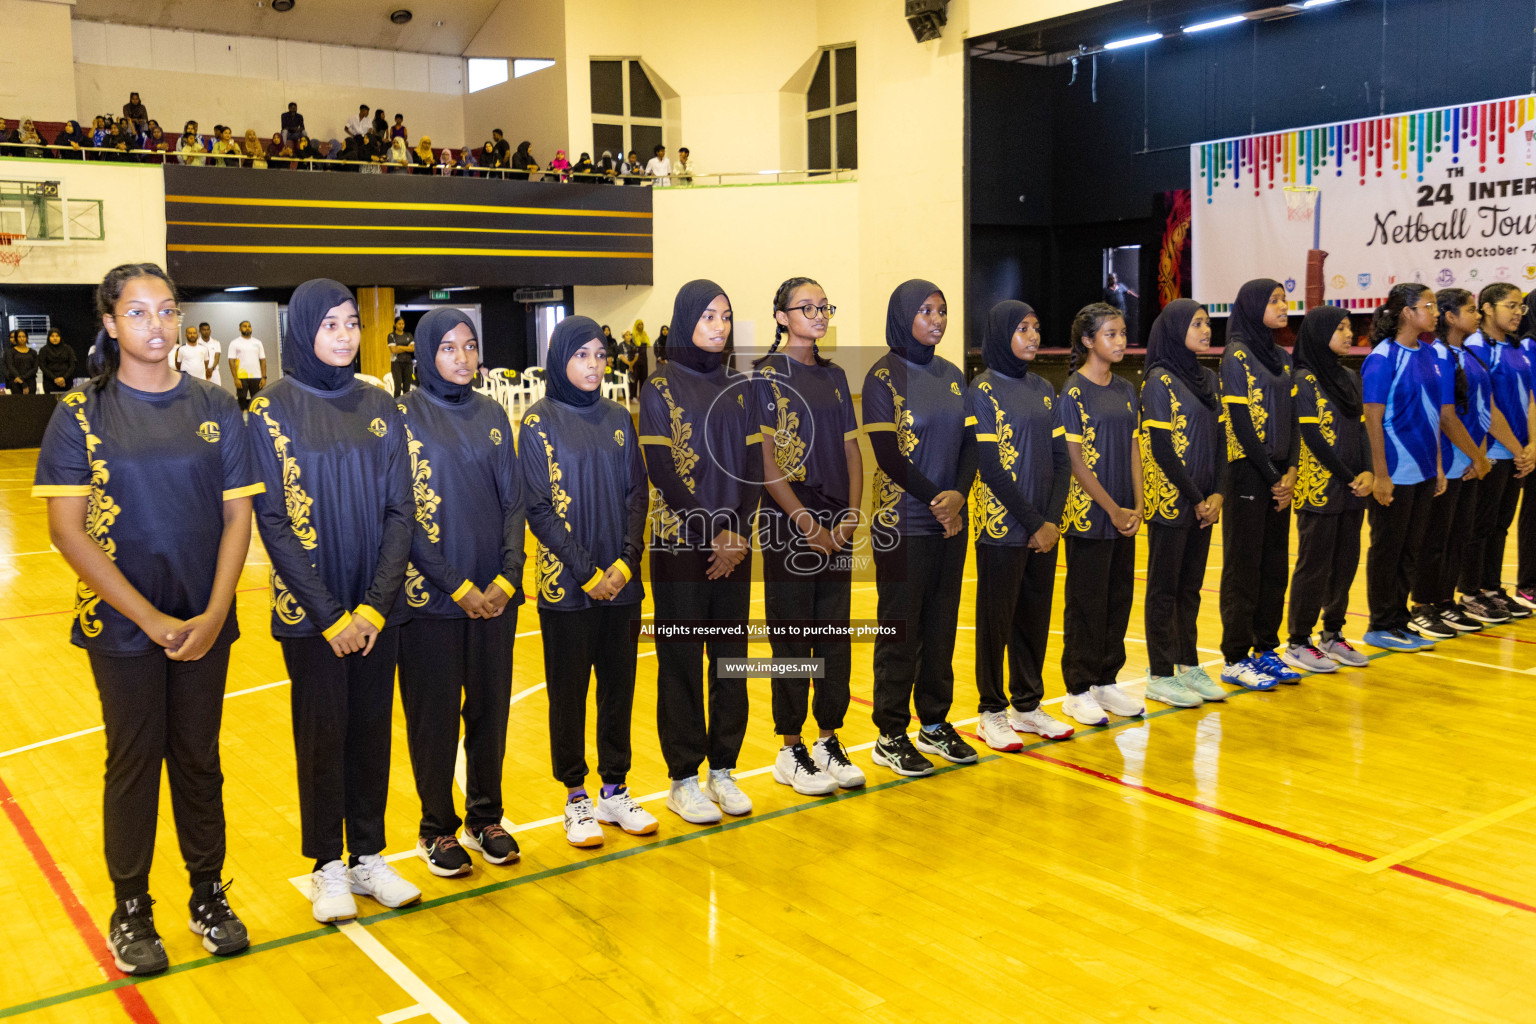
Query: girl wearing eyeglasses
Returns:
{"type": "Point", "coordinates": [814, 475]}
{"type": "Point", "coordinates": [336, 519]}
{"type": "Point", "coordinates": [155, 611]}
{"type": "Point", "coordinates": [1495, 347]}
{"type": "Point", "coordinates": [925, 452]}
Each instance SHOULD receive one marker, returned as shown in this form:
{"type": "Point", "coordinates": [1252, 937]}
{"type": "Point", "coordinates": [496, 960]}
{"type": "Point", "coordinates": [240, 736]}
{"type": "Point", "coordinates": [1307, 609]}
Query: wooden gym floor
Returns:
{"type": "Point", "coordinates": [1355, 848]}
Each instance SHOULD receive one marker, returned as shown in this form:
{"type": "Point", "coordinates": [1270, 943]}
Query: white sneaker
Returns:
{"type": "Point", "coordinates": [1084, 708]}
{"type": "Point", "coordinates": [995, 732]}
{"type": "Point", "coordinates": [374, 877]}
{"type": "Point", "coordinates": [1039, 723]}
{"type": "Point", "coordinates": [329, 896]}
{"type": "Point", "coordinates": [794, 768]}
{"type": "Point", "coordinates": [1117, 702]}
{"type": "Point", "coordinates": [623, 810]}
{"type": "Point", "coordinates": [830, 757]}
{"type": "Point", "coordinates": [581, 827]}
{"type": "Point", "coordinates": [722, 789]}
{"type": "Point", "coordinates": [687, 801]}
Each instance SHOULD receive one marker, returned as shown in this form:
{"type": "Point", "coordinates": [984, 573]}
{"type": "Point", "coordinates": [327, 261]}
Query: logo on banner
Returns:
{"type": "Point", "coordinates": [1391, 279]}
{"type": "Point", "coordinates": [1530, 271]}
{"type": "Point", "coordinates": [1290, 284]}
{"type": "Point", "coordinates": [1501, 273]}
{"type": "Point", "coordinates": [1364, 279]}
{"type": "Point", "coordinates": [1338, 281]}
{"type": "Point", "coordinates": [1472, 272]}
{"type": "Point", "coordinates": [1445, 277]}
{"type": "Point", "coordinates": [1418, 276]}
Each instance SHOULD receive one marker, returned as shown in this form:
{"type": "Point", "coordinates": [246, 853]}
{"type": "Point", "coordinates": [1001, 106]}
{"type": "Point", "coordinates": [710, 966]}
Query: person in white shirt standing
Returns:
{"type": "Point", "coordinates": [191, 356]}
{"type": "Point", "coordinates": [683, 169]}
{"type": "Point", "coordinates": [215, 353]}
{"type": "Point", "coordinates": [360, 124]}
{"type": "Point", "coordinates": [659, 169]}
{"type": "Point", "coordinates": [248, 362]}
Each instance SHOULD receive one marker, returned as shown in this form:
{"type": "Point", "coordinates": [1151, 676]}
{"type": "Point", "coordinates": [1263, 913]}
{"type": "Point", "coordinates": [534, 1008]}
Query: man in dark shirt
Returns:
{"type": "Point", "coordinates": [502, 148]}
{"type": "Point", "coordinates": [293, 124]}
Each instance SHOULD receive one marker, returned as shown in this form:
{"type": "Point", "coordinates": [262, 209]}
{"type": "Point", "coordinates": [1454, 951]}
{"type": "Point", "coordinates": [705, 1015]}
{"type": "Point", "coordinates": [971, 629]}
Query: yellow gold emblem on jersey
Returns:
{"type": "Point", "coordinates": [209, 431]}
{"type": "Point", "coordinates": [741, 401]}
{"type": "Point", "coordinates": [953, 386]}
{"type": "Point", "coordinates": [618, 438]}
{"type": "Point", "coordinates": [496, 436]}
{"type": "Point", "coordinates": [378, 428]}
{"type": "Point", "coordinates": [1047, 400]}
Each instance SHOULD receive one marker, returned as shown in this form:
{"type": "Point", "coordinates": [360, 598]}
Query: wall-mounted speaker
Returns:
{"type": "Point", "coordinates": [927, 18]}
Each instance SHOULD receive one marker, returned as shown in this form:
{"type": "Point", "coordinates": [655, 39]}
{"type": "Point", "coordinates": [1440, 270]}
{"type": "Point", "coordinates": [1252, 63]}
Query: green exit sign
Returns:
{"type": "Point", "coordinates": [440, 296]}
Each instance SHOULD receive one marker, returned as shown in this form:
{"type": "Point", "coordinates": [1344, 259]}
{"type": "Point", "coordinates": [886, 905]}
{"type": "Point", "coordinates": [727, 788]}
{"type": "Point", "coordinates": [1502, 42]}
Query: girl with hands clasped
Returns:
{"type": "Point", "coordinates": [1102, 516]}
{"type": "Point", "coordinates": [456, 652]}
{"type": "Point", "coordinates": [137, 447]}
{"type": "Point", "coordinates": [925, 451]}
{"type": "Point", "coordinates": [336, 518]}
{"type": "Point", "coordinates": [586, 493]}
{"type": "Point", "coordinates": [1334, 482]}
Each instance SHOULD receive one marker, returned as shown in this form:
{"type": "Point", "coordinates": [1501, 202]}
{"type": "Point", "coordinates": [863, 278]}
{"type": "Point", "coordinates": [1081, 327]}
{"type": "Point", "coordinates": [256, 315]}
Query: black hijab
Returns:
{"type": "Point", "coordinates": [1166, 348]}
{"type": "Point", "coordinates": [570, 334]}
{"type": "Point", "coordinates": [997, 343]}
{"type": "Point", "coordinates": [311, 301]}
{"type": "Point", "coordinates": [1527, 328]}
{"type": "Point", "coordinates": [899, 314]}
{"type": "Point", "coordinates": [429, 338]}
{"type": "Point", "coordinates": [72, 134]}
{"type": "Point", "coordinates": [1313, 353]}
{"type": "Point", "coordinates": [1247, 322]}
{"type": "Point", "coordinates": [692, 300]}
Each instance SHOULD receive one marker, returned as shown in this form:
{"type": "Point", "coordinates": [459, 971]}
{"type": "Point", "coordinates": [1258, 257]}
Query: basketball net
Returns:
{"type": "Point", "coordinates": [12, 254]}
{"type": "Point", "coordinates": [1301, 202]}
{"type": "Point", "coordinates": [1301, 205]}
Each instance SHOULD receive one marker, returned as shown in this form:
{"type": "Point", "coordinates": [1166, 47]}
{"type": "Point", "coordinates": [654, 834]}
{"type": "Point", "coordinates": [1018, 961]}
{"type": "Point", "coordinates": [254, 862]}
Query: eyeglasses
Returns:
{"type": "Point", "coordinates": [1431, 305]}
{"type": "Point", "coordinates": [810, 312]}
{"type": "Point", "coordinates": [1521, 308]}
{"type": "Point", "coordinates": [142, 320]}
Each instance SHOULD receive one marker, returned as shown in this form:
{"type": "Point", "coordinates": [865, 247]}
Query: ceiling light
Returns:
{"type": "Point", "coordinates": [1150, 37]}
{"type": "Point", "coordinates": [1218, 23]}
{"type": "Point", "coordinates": [400, 17]}
{"type": "Point", "coordinates": [282, 5]}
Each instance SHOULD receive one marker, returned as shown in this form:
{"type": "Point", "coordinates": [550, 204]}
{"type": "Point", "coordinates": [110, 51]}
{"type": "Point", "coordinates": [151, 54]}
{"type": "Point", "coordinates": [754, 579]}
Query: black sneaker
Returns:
{"type": "Point", "coordinates": [444, 856]}
{"type": "Point", "coordinates": [223, 933]}
{"type": "Point", "coordinates": [1427, 624]}
{"type": "Point", "coordinates": [947, 743]}
{"type": "Point", "coordinates": [493, 843]}
{"type": "Point", "coordinates": [1479, 607]}
{"type": "Point", "coordinates": [1507, 606]}
{"type": "Point", "coordinates": [136, 947]}
{"type": "Point", "coordinates": [1452, 615]}
{"type": "Point", "coordinates": [899, 755]}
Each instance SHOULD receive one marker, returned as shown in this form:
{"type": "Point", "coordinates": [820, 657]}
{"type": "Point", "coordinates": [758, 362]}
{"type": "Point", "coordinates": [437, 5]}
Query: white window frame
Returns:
{"type": "Point", "coordinates": [626, 120]}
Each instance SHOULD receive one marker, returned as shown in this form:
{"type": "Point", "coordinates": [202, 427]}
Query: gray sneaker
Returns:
{"type": "Point", "coordinates": [1171, 690]}
{"type": "Point", "coordinates": [1307, 658]}
{"type": "Point", "coordinates": [1199, 680]}
{"type": "Point", "coordinates": [1336, 648]}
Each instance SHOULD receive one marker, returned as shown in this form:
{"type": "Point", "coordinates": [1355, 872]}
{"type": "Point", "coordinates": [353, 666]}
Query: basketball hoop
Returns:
{"type": "Point", "coordinates": [1301, 201]}
{"type": "Point", "coordinates": [12, 254]}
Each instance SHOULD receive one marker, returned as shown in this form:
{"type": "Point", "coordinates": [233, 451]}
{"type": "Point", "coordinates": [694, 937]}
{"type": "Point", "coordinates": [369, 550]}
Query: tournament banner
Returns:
{"type": "Point", "coordinates": [1441, 197]}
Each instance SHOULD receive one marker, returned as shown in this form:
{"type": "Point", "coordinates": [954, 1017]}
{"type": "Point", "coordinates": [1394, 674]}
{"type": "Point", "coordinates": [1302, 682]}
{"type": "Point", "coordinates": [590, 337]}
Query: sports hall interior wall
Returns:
{"type": "Point", "coordinates": [1089, 171]}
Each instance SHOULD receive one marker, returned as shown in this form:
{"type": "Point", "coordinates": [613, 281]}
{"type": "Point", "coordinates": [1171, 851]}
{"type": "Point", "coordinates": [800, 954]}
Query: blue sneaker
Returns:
{"type": "Point", "coordinates": [1394, 640]}
{"type": "Point", "coordinates": [1271, 665]}
{"type": "Point", "coordinates": [1248, 674]}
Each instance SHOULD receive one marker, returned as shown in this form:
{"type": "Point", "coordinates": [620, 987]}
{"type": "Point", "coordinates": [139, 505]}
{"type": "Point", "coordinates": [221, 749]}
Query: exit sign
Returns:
{"type": "Point", "coordinates": [440, 296]}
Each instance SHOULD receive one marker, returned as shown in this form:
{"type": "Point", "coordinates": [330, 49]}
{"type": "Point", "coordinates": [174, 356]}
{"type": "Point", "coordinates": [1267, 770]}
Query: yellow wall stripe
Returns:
{"type": "Point", "coordinates": [348, 204]}
{"type": "Point", "coordinates": [371, 250]}
{"type": "Point", "coordinates": [406, 227]}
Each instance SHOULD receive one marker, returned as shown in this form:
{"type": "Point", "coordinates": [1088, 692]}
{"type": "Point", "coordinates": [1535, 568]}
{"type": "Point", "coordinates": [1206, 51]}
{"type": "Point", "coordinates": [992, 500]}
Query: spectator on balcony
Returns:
{"type": "Point", "coordinates": [660, 168]}
{"type": "Point", "coordinates": [226, 153]}
{"type": "Point", "coordinates": [398, 130]}
{"type": "Point", "coordinates": [503, 149]}
{"type": "Point", "coordinates": [158, 143]}
{"type": "Point", "coordinates": [606, 168]}
{"type": "Point", "coordinates": [447, 163]}
{"type": "Point", "coordinates": [253, 151]}
{"type": "Point", "coordinates": [191, 146]}
{"type": "Point", "coordinates": [398, 157]}
{"type": "Point", "coordinates": [581, 170]}
{"type": "Point", "coordinates": [373, 151]}
{"type": "Point", "coordinates": [631, 169]}
{"type": "Point", "coordinates": [26, 135]}
{"type": "Point", "coordinates": [72, 139]}
{"type": "Point", "coordinates": [490, 161]}
{"type": "Point", "coordinates": [423, 157]}
{"type": "Point", "coordinates": [293, 124]}
{"type": "Point", "coordinates": [523, 163]}
{"type": "Point", "coordinates": [320, 151]}
{"type": "Point", "coordinates": [98, 130]}
{"type": "Point", "coordinates": [119, 140]}
{"type": "Point", "coordinates": [281, 151]}
{"type": "Point", "coordinates": [359, 125]}
{"type": "Point", "coordinates": [380, 124]}
{"type": "Point", "coordinates": [682, 169]}
{"type": "Point", "coordinates": [560, 166]}
{"type": "Point", "coordinates": [134, 111]}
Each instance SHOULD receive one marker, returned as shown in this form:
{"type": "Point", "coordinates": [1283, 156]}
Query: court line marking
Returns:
{"type": "Point", "coordinates": [1450, 835]}
{"type": "Point", "coordinates": [131, 998]}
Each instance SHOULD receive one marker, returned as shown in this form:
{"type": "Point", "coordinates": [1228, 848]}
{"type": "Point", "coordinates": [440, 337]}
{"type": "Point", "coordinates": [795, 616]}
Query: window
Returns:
{"type": "Point", "coordinates": [626, 109]}
{"type": "Point", "coordinates": [485, 72]}
{"type": "Point", "coordinates": [831, 111]}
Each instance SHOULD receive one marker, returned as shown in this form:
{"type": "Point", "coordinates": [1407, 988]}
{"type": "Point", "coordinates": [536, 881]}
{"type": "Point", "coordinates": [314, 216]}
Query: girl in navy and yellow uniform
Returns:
{"type": "Point", "coordinates": [814, 476]}
{"type": "Point", "coordinates": [1262, 448]}
{"type": "Point", "coordinates": [1333, 484]}
{"type": "Point", "coordinates": [584, 483]}
{"type": "Point", "coordinates": [139, 447]}
{"type": "Point", "coordinates": [463, 587]}
{"type": "Point", "coordinates": [336, 519]}
{"type": "Point", "coordinates": [1184, 471]}
{"type": "Point", "coordinates": [925, 453]}
{"type": "Point", "coordinates": [1015, 508]}
{"type": "Point", "coordinates": [702, 456]}
{"type": "Point", "coordinates": [1102, 516]}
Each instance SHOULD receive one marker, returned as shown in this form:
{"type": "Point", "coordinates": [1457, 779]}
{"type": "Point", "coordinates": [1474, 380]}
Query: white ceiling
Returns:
{"type": "Point", "coordinates": [363, 23]}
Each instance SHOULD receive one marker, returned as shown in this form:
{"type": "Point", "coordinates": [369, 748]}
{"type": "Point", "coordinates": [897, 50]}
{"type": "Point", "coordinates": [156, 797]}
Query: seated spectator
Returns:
{"type": "Point", "coordinates": [631, 169]}
{"type": "Point", "coordinates": [324, 150]}
{"type": "Point", "coordinates": [74, 139]}
{"type": "Point", "coordinates": [490, 160]}
{"type": "Point", "coordinates": [226, 152]}
{"type": "Point", "coordinates": [397, 158]}
{"type": "Point", "coordinates": [660, 168]}
{"type": "Point", "coordinates": [191, 148]}
{"type": "Point", "coordinates": [281, 149]}
{"type": "Point", "coordinates": [254, 152]}
{"type": "Point", "coordinates": [26, 135]}
{"type": "Point", "coordinates": [157, 143]}
{"type": "Point", "coordinates": [606, 168]}
{"type": "Point", "coordinates": [581, 170]}
{"type": "Point", "coordinates": [522, 161]}
{"type": "Point", "coordinates": [397, 130]}
{"type": "Point", "coordinates": [682, 170]}
{"type": "Point", "coordinates": [119, 140]}
{"type": "Point", "coordinates": [136, 115]}
{"type": "Point", "coordinates": [561, 166]}
{"type": "Point", "coordinates": [360, 124]}
{"type": "Point", "coordinates": [98, 130]}
{"type": "Point", "coordinates": [467, 163]}
{"type": "Point", "coordinates": [422, 156]}
{"type": "Point", "coordinates": [293, 124]}
{"type": "Point", "coordinates": [371, 151]}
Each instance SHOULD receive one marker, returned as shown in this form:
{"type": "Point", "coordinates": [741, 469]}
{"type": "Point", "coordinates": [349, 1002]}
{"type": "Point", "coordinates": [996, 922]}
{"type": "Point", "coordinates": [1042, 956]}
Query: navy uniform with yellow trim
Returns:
{"type": "Point", "coordinates": [469, 536]}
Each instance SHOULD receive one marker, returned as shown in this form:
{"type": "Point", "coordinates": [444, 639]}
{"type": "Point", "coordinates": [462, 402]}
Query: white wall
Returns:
{"type": "Point", "coordinates": [133, 215]}
{"type": "Point", "coordinates": [36, 80]}
{"type": "Point", "coordinates": [246, 82]}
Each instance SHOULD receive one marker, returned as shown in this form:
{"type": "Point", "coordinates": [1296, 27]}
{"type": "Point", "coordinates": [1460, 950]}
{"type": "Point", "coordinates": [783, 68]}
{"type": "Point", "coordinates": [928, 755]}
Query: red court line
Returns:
{"type": "Point", "coordinates": [71, 611]}
{"type": "Point", "coordinates": [1500, 636]}
{"type": "Point", "coordinates": [133, 1002]}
